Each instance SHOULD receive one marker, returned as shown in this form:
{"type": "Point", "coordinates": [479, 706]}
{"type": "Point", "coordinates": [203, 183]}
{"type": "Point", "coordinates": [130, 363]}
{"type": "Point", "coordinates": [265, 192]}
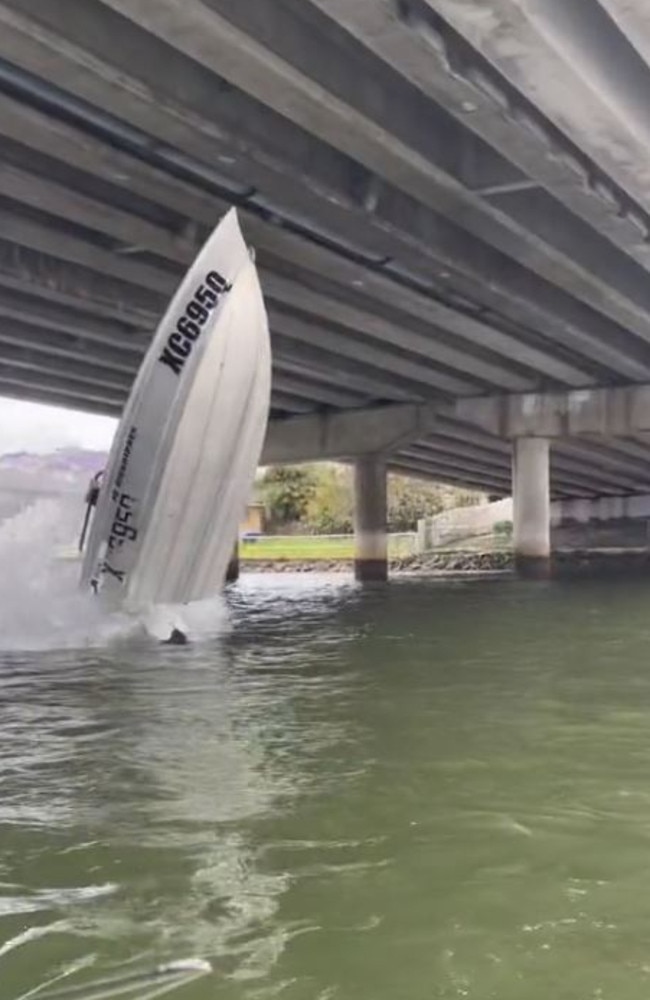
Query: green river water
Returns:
{"type": "Point", "coordinates": [424, 791]}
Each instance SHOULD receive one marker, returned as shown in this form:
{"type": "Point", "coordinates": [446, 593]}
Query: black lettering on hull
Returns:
{"type": "Point", "coordinates": [122, 530]}
{"type": "Point", "coordinates": [119, 574]}
{"type": "Point", "coordinates": [196, 313]}
{"type": "Point", "coordinates": [126, 454]}
{"type": "Point", "coordinates": [169, 359]}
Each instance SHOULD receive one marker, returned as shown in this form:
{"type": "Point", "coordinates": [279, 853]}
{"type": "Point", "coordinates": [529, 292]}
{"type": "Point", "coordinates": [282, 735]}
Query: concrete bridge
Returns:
{"type": "Point", "coordinates": [450, 201]}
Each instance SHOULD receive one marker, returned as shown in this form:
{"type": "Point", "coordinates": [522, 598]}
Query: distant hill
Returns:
{"type": "Point", "coordinates": [72, 460]}
{"type": "Point", "coordinates": [26, 477]}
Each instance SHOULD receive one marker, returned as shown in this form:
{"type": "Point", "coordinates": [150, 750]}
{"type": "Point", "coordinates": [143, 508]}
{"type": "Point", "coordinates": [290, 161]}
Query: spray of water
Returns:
{"type": "Point", "coordinates": [41, 604]}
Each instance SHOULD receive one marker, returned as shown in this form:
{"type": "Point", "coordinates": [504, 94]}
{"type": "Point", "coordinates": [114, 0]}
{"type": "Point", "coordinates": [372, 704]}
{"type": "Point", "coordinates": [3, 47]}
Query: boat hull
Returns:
{"type": "Point", "coordinates": [185, 453]}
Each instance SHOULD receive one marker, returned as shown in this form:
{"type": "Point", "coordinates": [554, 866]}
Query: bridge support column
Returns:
{"type": "Point", "coordinates": [232, 572]}
{"type": "Point", "coordinates": [531, 506]}
{"type": "Point", "coordinates": [370, 535]}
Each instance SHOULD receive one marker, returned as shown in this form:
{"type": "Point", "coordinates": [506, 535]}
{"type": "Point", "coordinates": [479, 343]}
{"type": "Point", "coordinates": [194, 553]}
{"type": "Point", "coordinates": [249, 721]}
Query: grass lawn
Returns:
{"type": "Point", "coordinates": [305, 548]}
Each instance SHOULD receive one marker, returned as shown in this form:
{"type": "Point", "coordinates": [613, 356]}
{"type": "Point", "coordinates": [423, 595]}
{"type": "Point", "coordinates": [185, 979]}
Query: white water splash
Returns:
{"type": "Point", "coordinates": [41, 604]}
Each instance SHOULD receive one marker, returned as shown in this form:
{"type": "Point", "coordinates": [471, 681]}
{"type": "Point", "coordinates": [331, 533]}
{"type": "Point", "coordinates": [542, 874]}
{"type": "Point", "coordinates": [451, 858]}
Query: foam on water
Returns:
{"type": "Point", "coordinates": [41, 604]}
{"type": "Point", "coordinates": [145, 985]}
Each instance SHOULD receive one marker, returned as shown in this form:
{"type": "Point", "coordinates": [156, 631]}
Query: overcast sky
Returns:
{"type": "Point", "coordinates": [37, 428]}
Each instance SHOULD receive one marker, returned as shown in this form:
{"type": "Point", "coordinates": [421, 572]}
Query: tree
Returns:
{"type": "Point", "coordinates": [321, 498]}
{"type": "Point", "coordinates": [329, 511]}
{"type": "Point", "coordinates": [410, 499]}
{"type": "Point", "coordinates": [286, 491]}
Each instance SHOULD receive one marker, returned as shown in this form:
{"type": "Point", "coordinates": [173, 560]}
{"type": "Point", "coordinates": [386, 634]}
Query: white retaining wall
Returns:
{"type": "Point", "coordinates": [462, 522]}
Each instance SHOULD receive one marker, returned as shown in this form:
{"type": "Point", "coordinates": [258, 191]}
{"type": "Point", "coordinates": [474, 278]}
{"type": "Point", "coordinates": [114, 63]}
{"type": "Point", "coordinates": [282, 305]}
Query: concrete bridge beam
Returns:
{"type": "Point", "coordinates": [616, 411]}
{"type": "Point", "coordinates": [359, 130]}
{"type": "Point", "coordinates": [331, 436]}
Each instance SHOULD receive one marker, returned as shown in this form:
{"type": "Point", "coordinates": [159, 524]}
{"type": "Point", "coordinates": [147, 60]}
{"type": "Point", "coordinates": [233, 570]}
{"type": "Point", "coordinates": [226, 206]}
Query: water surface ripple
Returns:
{"type": "Point", "coordinates": [431, 790]}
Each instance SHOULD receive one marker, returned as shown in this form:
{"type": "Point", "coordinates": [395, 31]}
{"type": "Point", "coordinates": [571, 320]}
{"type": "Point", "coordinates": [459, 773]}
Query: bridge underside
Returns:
{"type": "Point", "coordinates": [447, 199]}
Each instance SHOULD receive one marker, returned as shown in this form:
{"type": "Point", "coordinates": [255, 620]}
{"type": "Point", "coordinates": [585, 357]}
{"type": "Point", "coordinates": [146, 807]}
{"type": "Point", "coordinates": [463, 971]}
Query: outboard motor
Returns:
{"type": "Point", "coordinates": [91, 498]}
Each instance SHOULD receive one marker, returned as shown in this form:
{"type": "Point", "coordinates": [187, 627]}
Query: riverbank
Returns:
{"type": "Point", "coordinates": [566, 562]}
{"type": "Point", "coordinates": [433, 562]}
